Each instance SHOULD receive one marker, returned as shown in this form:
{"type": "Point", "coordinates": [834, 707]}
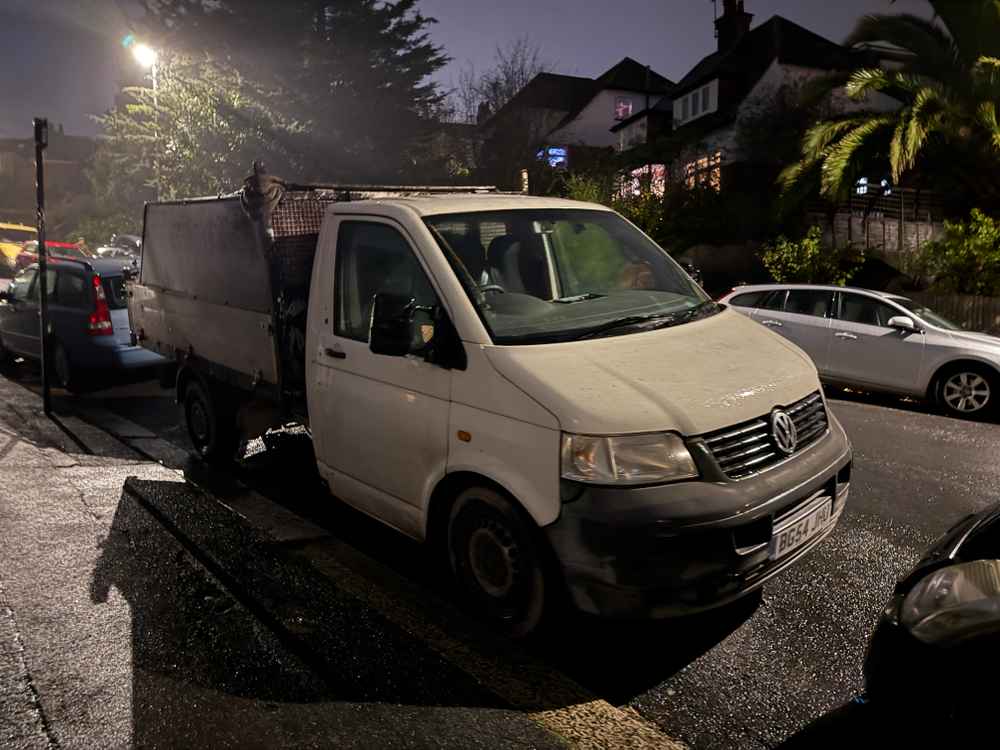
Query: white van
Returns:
{"type": "Point", "coordinates": [532, 385]}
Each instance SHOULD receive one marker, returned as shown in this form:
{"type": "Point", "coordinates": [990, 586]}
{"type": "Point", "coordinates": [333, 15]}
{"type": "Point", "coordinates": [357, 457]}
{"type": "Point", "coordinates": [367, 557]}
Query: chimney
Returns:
{"type": "Point", "coordinates": [732, 25]}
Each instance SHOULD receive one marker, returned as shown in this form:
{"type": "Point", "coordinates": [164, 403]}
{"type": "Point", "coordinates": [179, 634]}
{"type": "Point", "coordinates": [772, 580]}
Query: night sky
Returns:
{"type": "Point", "coordinates": [81, 61]}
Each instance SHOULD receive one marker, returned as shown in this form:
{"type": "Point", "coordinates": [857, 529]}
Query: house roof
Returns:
{"type": "Point", "coordinates": [570, 94]}
{"type": "Point", "coordinates": [552, 91]}
{"type": "Point", "coordinates": [776, 39]}
{"type": "Point", "coordinates": [634, 76]}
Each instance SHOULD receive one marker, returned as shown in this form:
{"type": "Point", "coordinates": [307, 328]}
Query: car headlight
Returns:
{"type": "Point", "coordinates": [631, 459]}
{"type": "Point", "coordinates": [954, 603]}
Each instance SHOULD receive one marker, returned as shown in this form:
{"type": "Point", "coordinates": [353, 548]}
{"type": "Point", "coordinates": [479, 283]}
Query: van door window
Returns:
{"type": "Point", "coordinates": [371, 259]}
{"type": "Point", "coordinates": [815, 302]}
{"type": "Point", "coordinates": [856, 308]}
{"type": "Point", "coordinates": [50, 287]}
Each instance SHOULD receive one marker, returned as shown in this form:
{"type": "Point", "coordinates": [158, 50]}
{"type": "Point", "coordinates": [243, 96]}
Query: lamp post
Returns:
{"type": "Point", "coordinates": [147, 57]}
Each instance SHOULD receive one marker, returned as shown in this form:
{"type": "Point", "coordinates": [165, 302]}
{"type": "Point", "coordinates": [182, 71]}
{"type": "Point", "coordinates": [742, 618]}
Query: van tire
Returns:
{"type": "Point", "coordinates": [497, 560]}
{"type": "Point", "coordinates": [211, 426]}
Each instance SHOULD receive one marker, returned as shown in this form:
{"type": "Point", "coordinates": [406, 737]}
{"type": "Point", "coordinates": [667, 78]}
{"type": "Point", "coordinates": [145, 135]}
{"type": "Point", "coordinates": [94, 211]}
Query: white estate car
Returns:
{"type": "Point", "coordinates": [882, 342]}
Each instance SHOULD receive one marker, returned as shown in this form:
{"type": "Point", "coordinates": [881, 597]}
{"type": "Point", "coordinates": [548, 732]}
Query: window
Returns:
{"type": "Point", "coordinates": [705, 171]}
{"type": "Point", "coordinates": [856, 308]}
{"type": "Point", "coordinates": [809, 302]}
{"type": "Point", "coordinates": [50, 286]}
{"type": "Point", "coordinates": [623, 108]}
{"type": "Point", "coordinates": [748, 299]}
{"type": "Point", "coordinates": [684, 109]}
{"type": "Point", "coordinates": [72, 291]}
{"type": "Point", "coordinates": [114, 292]}
{"type": "Point", "coordinates": [696, 104]}
{"type": "Point", "coordinates": [371, 259]}
{"type": "Point", "coordinates": [22, 284]}
{"type": "Point", "coordinates": [775, 301]}
{"type": "Point", "coordinates": [705, 93]}
{"type": "Point", "coordinates": [559, 274]}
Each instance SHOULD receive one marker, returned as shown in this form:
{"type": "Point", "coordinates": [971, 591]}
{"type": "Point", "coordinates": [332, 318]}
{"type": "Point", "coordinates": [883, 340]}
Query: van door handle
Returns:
{"type": "Point", "coordinates": [771, 323]}
{"type": "Point", "coordinates": [335, 353]}
{"type": "Point", "coordinates": [845, 335]}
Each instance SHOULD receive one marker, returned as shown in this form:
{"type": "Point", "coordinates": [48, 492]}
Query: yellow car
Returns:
{"type": "Point", "coordinates": [12, 237]}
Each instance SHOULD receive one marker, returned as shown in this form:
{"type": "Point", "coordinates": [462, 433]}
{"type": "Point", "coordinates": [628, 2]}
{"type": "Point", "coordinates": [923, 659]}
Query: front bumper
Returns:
{"type": "Point", "coordinates": [681, 548]}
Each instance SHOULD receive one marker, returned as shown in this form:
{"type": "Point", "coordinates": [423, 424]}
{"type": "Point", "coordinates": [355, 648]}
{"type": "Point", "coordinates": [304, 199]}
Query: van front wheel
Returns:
{"type": "Point", "coordinates": [496, 560]}
{"type": "Point", "coordinates": [211, 427]}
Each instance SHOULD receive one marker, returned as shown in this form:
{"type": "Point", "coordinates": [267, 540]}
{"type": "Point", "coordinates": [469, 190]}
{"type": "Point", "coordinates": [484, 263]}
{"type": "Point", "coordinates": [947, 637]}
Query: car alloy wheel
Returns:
{"type": "Point", "coordinates": [966, 392]}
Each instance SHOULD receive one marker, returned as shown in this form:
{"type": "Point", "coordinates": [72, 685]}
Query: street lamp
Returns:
{"type": "Point", "coordinates": [147, 57]}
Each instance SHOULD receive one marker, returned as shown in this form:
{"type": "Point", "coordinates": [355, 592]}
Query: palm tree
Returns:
{"type": "Point", "coordinates": [948, 88]}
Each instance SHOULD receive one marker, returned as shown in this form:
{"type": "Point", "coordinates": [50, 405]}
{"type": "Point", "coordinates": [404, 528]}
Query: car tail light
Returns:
{"type": "Point", "coordinates": [100, 320]}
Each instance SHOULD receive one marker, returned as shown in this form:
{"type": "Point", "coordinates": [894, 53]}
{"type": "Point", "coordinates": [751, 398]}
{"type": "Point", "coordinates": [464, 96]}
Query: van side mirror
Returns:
{"type": "Point", "coordinates": [903, 323]}
{"type": "Point", "coordinates": [392, 325]}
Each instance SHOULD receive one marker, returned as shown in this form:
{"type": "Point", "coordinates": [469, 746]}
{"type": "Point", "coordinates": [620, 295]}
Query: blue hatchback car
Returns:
{"type": "Point", "coordinates": [88, 315]}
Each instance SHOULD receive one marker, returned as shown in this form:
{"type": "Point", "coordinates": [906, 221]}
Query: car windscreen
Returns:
{"type": "Point", "coordinates": [926, 314]}
{"type": "Point", "coordinates": [545, 275]}
{"type": "Point", "coordinates": [114, 292]}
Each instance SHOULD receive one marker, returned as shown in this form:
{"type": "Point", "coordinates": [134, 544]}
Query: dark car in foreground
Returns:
{"type": "Point", "coordinates": [88, 311]}
{"type": "Point", "coordinates": [932, 663]}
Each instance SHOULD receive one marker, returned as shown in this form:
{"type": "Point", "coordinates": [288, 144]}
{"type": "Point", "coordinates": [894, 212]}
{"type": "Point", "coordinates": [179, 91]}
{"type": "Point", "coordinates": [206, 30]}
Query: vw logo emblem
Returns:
{"type": "Point", "coordinates": [786, 437]}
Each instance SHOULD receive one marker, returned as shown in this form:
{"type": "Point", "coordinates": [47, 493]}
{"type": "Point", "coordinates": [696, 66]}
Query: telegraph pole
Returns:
{"type": "Point", "coordinates": [41, 141]}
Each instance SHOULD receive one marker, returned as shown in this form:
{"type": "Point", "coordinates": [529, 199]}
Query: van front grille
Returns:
{"type": "Point", "coordinates": [748, 448]}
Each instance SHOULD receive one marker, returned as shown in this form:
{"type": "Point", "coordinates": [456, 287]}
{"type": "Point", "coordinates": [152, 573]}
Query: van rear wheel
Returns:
{"type": "Point", "coordinates": [497, 560]}
{"type": "Point", "coordinates": [211, 427]}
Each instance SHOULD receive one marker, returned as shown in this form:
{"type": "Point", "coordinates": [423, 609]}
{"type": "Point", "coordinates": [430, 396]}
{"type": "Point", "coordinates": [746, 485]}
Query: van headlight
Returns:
{"type": "Point", "coordinates": [954, 603]}
{"type": "Point", "coordinates": [629, 459]}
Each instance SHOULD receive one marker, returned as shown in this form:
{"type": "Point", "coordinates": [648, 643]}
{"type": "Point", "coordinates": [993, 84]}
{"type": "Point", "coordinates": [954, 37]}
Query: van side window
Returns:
{"type": "Point", "coordinates": [748, 299]}
{"type": "Point", "coordinates": [374, 258]}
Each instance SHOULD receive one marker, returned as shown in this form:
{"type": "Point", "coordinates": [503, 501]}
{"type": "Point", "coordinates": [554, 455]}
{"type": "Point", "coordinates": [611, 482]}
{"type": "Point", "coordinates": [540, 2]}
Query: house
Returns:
{"type": "Point", "coordinates": [740, 79]}
{"type": "Point", "coordinates": [555, 115]}
{"type": "Point", "coordinates": [65, 158]}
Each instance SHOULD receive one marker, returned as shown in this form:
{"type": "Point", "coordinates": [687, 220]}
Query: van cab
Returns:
{"type": "Point", "coordinates": [535, 388]}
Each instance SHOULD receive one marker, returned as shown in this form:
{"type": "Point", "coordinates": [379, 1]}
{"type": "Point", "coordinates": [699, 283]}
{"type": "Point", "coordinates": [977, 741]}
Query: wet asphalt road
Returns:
{"type": "Point", "coordinates": [748, 676]}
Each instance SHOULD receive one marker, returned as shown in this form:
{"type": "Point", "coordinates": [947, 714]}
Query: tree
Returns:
{"type": "Point", "coordinates": [966, 259]}
{"type": "Point", "coordinates": [948, 87]}
{"type": "Point", "coordinates": [341, 89]}
{"type": "Point", "coordinates": [807, 261]}
{"type": "Point", "coordinates": [483, 94]}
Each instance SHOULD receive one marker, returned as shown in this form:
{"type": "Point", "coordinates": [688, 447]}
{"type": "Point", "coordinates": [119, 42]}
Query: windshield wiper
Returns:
{"type": "Point", "coordinates": [632, 320]}
{"type": "Point", "coordinates": [663, 320]}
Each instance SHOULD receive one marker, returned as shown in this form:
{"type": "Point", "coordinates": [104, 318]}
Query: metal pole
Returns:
{"type": "Point", "coordinates": [156, 143]}
{"type": "Point", "coordinates": [41, 141]}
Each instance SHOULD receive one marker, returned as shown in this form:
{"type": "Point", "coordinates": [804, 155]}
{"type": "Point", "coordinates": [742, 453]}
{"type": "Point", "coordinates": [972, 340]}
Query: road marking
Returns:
{"type": "Point", "coordinates": [546, 696]}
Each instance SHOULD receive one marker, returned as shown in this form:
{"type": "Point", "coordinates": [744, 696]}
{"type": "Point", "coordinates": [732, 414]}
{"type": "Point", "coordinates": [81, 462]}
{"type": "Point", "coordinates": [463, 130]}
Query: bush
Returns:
{"type": "Point", "coordinates": [966, 259]}
{"type": "Point", "coordinates": [806, 261]}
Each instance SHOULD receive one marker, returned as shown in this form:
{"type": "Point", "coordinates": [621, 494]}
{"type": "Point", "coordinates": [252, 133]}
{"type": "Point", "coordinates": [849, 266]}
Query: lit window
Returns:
{"type": "Point", "coordinates": [862, 186]}
{"type": "Point", "coordinates": [623, 108]}
{"type": "Point", "coordinates": [705, 171]}
{"type": "Point", "coordinates": [652, 177]}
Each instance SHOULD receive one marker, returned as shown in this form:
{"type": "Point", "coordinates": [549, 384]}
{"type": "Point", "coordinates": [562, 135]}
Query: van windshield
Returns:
{"type": "Point", "coordinates": [540, 276]}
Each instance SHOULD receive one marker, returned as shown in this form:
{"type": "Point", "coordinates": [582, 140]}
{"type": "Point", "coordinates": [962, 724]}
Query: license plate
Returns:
{"type": "Point", "coordinates": [796, 532]}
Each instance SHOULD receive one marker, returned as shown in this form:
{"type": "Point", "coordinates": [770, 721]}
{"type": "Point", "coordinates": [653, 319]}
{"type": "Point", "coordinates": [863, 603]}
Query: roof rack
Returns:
{"type": "Point", "coordinates": [393, 188]}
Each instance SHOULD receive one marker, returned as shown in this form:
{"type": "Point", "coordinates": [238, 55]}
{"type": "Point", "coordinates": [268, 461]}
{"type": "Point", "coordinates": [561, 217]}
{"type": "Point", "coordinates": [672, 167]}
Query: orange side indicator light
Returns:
{"type": "Point", "coordinates": [464, 436]}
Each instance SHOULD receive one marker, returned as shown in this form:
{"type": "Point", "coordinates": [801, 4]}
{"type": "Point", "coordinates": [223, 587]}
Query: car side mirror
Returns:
{"type": "Point", "coordinates": [903, 323]}
{"type": "Point", "coordinates": [392, 325]}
